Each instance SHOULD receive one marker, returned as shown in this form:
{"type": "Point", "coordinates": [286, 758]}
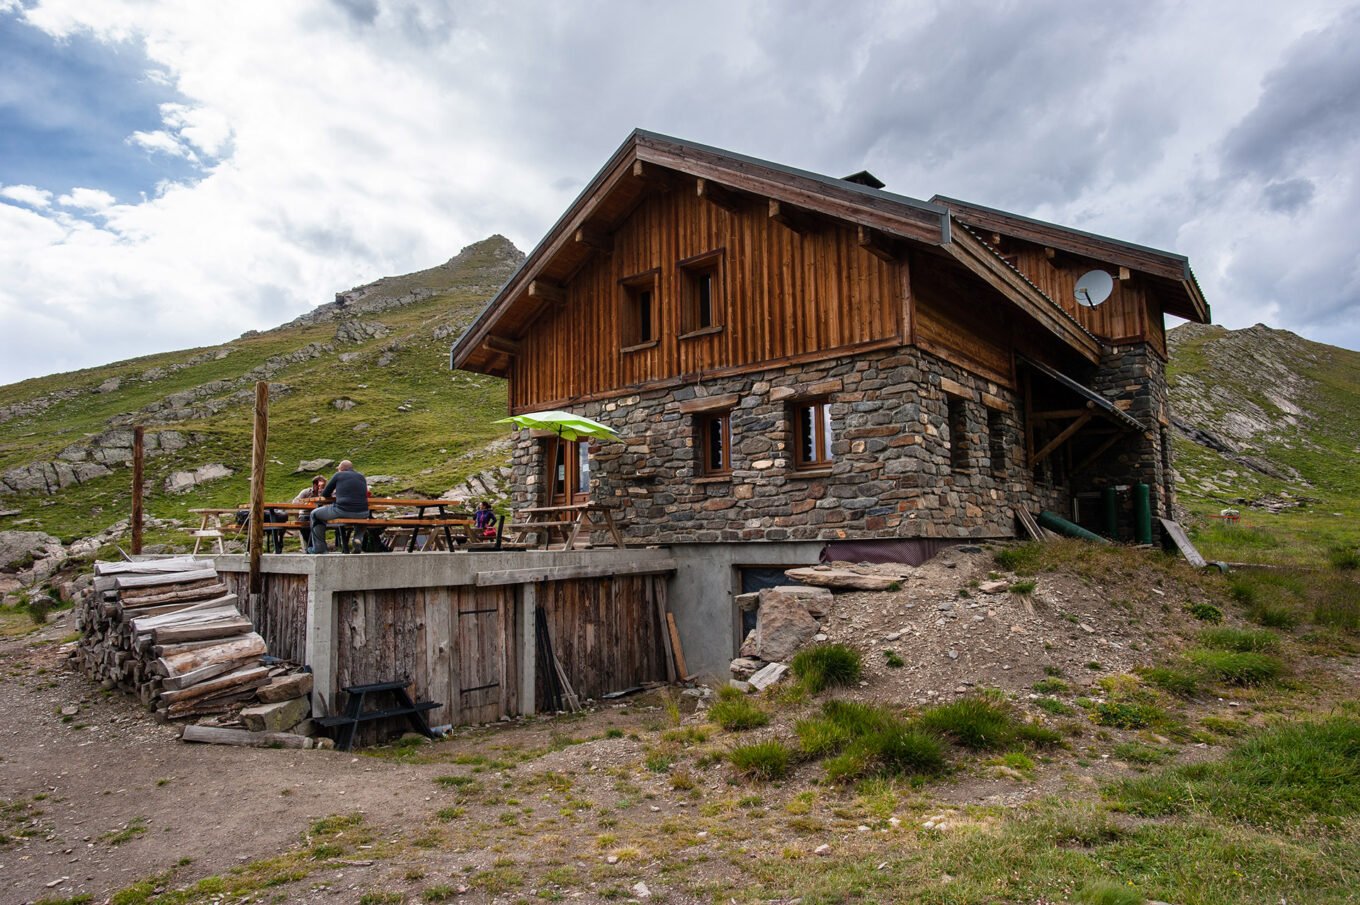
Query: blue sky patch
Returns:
{"type": "Point", "coordinates": [67, 109]}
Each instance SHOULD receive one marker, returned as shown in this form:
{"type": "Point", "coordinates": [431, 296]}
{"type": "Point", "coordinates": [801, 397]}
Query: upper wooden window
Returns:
{"type": "Point", "coordinates": [713, 436]}
{"type": "Point", "coordinates": [701, 300]}
{"type": "Point", "coordinates": [812, 434]}
{"type": "Point", "coordinates": [640, 318]}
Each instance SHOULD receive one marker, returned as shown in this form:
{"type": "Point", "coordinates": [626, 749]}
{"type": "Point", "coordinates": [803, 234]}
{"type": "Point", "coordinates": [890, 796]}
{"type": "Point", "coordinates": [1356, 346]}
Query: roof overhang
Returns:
{"type": "Point", "coordinates": [1099, 403]}
{"type": "Point", "coordinates": [1170, 273]}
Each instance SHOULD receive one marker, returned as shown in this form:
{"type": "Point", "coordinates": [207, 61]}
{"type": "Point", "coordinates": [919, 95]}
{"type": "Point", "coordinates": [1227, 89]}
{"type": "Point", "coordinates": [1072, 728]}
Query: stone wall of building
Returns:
{"type": "Point", "coordinates": [891, 475]}
{"type": "Point", "coordinates": [1134, 377]}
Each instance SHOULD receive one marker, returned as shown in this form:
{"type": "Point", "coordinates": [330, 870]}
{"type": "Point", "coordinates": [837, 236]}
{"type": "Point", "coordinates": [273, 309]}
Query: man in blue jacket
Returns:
{"type": "Point", "coordinates": [349, 489]}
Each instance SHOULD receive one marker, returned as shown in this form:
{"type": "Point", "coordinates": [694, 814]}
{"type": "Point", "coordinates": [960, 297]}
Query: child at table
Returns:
{"type": "Point", "coordinates": [313, 491]}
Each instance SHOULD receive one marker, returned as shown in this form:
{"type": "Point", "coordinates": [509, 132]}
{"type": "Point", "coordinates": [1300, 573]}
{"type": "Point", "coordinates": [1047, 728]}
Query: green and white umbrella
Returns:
{"type": "Point", "coordinates": [564, 424]}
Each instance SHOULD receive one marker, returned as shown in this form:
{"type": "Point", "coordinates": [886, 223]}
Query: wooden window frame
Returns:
{"type": "Point", "coordinates": [571, 491]}
{"type": "Point", "coordinates": [633, 290]}
{"type": "Point", "coordinates": [822, 459]}
{"type": "Point", "coordinates": [705, 425]}
{"type": "Point", "coordinates": [693, 274]}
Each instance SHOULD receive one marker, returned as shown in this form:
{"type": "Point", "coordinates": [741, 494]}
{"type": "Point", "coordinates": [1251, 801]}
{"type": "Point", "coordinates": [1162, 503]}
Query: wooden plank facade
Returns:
{"type": "Point", "coordinates": [281, 615]}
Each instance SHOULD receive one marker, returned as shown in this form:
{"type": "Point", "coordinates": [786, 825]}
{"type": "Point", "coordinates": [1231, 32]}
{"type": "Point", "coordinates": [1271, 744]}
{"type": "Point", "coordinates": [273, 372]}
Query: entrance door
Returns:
{"type": "Point", "coordinates": [568, 478]}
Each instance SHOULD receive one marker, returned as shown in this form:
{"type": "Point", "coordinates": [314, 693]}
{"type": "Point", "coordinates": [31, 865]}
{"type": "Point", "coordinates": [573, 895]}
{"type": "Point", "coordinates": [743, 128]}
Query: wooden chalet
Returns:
{"type": "Point", "coordinates": [791, 357]}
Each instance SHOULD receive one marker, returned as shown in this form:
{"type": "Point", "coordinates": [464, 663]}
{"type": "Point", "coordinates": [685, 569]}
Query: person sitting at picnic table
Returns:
{"type": "Point", "coordinates": [484, 520]}
{"type": "Point", "coordinates": [349, 489]}
{"type": "Point", "coordinates": [313, 491]}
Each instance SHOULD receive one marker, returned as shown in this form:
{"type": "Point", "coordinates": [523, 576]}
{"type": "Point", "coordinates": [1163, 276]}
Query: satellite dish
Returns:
{"type": "Point", "coordinates": [1093, 288]}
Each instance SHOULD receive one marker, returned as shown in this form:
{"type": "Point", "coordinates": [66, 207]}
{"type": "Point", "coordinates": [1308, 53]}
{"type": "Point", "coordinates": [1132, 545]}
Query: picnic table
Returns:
{"type": "Point", "coordinates": [210, 527]}
{"type": "Point", "coordinates": [563, 523]}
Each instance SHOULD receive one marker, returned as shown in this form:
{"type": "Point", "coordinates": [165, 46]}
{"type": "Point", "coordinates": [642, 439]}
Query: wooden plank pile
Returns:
{"type": "Point", "coordinates": [169, 632]}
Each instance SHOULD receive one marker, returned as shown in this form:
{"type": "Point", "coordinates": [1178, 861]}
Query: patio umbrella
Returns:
{"type": "Point", "coordinates": [564, 424]}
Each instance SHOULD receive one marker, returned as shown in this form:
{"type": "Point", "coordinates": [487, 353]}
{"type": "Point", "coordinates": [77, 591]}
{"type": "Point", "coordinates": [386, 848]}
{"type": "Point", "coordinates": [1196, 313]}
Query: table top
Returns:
{"type": "Point", "coordinates": [568, 507]}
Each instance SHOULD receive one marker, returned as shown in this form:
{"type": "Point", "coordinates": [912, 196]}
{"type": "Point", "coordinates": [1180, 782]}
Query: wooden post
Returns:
{"type": "Point", "coordinates": [257, 464]}
{"type": "Point", "coordinates": [138, 458]}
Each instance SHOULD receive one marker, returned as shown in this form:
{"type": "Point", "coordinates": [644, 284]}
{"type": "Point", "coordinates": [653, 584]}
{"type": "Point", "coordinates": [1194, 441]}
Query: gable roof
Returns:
{"type": "Point", "coordinates": [650, 159]}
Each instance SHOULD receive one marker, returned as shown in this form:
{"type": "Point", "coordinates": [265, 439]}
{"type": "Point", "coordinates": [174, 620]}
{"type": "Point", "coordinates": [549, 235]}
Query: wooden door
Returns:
{"type": "Point", "coordinates": [480, 660]}
{"type": "Point", "coordinates": [568, 477]}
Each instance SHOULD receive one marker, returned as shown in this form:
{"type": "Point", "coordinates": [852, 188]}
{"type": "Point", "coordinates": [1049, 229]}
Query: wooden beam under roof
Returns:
{"type": "Point", "coordinates": [716, 195]}
{"type": "Point", "coordinates": [551, 293]}
{"type": "Point", "coordinates": [595, 239]}
{"type": "Point", "coordinates": [790, 217]}
{"type": "Point", "coordinates": [883, 247]}
{"type": "Point", "coordinates": [502, 345]}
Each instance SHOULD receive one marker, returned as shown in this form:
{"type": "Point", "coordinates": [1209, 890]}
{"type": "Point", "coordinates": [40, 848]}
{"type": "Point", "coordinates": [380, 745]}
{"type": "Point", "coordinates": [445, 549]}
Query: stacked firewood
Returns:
{"type": "Point", "coordinates": [168, 631]}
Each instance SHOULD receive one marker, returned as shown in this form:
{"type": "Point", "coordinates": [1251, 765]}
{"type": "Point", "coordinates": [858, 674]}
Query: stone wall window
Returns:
{"type": "Point", "coordinates": [958, 433]}
{"type": "Point", "coordinates": [701, 300]}
{"type": "Point", "coordinates": [640, 318]}
{"type": "Point", "coordinates": [713, 440]}
{"type": "Point", "coordinates": [812, 434]}
{"type": "Point", "coordinates": [997, 442]}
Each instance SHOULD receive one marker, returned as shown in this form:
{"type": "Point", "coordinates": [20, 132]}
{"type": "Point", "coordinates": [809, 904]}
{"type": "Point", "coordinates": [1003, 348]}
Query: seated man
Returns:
{"type": "Point", "coordinates": [349, 489]}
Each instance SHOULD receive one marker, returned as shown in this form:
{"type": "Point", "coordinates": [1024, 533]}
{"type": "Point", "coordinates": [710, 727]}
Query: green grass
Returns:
{"type": "Point", "coordinates": [765, 761]}
{"type": "Point", "coordinates": [982, 724]}
{"type": "Point", "coordinates": [861, 740]}
{"type": "Point", "coordinates": [736, 712]}
{"type": "Point", "coordinates": [1237, 668]}
{"type": "Point", "coordinates": [1240, 640]}
{"type": "Point", "coordinates": [1287, 775]}
{"type": "Point", "coordinates": [827, 666]}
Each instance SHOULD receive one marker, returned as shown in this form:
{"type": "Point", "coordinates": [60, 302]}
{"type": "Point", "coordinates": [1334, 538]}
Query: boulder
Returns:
{"type": "Point", "coordinates": [993, 587]}
{"type": "Point", "coordinates": [849, 578]}
{"type": "Point", "coordinates": [278, 717]}
{"type": "Point", "coordinates": [20, 549]}
{"type": "Point", "coordinates": [745, 667]}
{"type": "Point", "coordinates": [180, 481]}
{"type": "Point", "coordinates": [783, 624]}
{"type": "Point", "coordinates": [770, 674]}
{"type": "Point", "coordinates": [817, 601]}
{"type": "Point", "coordinates": [313, 465]}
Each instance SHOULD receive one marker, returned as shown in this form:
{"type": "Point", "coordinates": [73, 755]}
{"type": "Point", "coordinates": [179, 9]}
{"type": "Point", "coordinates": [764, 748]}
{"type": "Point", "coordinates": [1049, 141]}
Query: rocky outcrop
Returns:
{"type": "Point", "coordinates": [356, 331]}
{"type": "Point", "coordinates": [86, 461]}
{"type": "Point", "coordinates": [180, 481]}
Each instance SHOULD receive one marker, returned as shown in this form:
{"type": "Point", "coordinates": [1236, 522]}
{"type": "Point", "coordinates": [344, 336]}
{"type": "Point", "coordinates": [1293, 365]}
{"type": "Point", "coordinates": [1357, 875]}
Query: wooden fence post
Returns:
{"type": "Point", "coordinates": [138, 457]}
{"type": "Point", "coordinates": [257, 466]}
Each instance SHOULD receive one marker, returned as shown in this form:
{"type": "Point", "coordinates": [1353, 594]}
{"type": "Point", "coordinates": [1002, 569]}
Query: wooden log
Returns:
{"type": "Point", "coordinates": [205, 672]}
{"type": "Point", "coordinates": [201, 631]}
{"type": "Point", "coordinates": [147, 581]}
{"type": "Point", "coordinates": [169, 650]}
{"type": "Point", "coordinates": [199, 590]}
{"type": "Point", "coordinates": [152, 566]}
{"type": "Point", "coordinates": [187, 616]}
{"type": "Point", "coordinates": [251, 645]}
{"type": "Point", "coordinates": [228, 682]}
{"type": "Point", "coordinates": [215, 735]}
{"type": "Point", "coordinates": [675, 645]}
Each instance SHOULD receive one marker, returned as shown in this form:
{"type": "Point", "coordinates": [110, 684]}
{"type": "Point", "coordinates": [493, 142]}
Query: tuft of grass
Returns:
{"type": "Point", "coordinates": [1183, 683]}
{"type": "Point", "coordinates": [736, 712]}
{"type": "Point", "coordinates": [1109, 893]}
{"type": "Point", "coordinates": [1053, 706]}
{"type": "Point", "coordinates": [1051, 686]}
{"type": "Point", "coordinates": [981, 724]}
{"type": "Point", "coordinates": [827, 666]}
{"type": "Point", "coordinates": [1237, 667]}
{"type": "Point", "coordinates": [892, 660]}
{"type": "Point", "coordinates": [861, 741]}
{"type": "Point", "coordinates": [1344, 558]}
{"type": "Point", "coordinates": [765, 761]}
{"type": "Point", "coordinates": [1240, 640]}
{"type": "Point", "coordinates": [1205, 612]}
{"type": "Point", "coordinates": [1127, 714]}
{"type": "Point", "coordinates": [1026, 586]}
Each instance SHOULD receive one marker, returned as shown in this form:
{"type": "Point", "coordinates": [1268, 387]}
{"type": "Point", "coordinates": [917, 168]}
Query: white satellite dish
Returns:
{"type": "Point", "coordinates": [1093, 288]}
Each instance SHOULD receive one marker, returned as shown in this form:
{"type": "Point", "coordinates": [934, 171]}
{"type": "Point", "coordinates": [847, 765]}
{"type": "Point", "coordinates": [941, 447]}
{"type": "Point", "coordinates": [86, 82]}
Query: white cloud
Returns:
{"type": "Point", "coordinates": [27, 194]}
{"type": "Point", "coordinates": [87, 199]}
{"type": "Point", "coordinates": [340, 142]}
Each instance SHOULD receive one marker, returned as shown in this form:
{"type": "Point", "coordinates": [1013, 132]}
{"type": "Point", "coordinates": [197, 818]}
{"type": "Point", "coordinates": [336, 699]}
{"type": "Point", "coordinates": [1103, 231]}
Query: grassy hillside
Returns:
{"type": "Point", "coordinates": [1268, 424]}
{"type": "Point", "coordinates": [408, 415]}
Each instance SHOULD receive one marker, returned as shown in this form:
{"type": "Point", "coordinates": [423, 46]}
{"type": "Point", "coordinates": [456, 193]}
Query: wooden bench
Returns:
{"type": "Point", "coordinates": [364, 524]}
{"type": "Point", "coordinates": [348, 722]}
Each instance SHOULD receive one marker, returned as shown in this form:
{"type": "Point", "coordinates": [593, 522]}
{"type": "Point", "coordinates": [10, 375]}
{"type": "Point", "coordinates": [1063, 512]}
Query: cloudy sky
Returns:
{"type": "Point", "coordinates": [175, 173]}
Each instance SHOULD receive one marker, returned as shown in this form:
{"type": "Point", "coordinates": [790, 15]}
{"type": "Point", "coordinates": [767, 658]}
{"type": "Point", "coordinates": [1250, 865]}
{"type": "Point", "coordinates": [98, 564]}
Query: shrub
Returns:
{"type": "Point", "coordinates": [1240, 640]}
{"type": "Point", "coordinates": [736, 712]}
{"type": "Point", "coordinates": [762, 760]}
{"type": "Point", "coordinates": [1237, 667]}
{"type": "Point", "coordinates": [1205, 612]}
{"type": "Point", "coordinates": [827, 666]}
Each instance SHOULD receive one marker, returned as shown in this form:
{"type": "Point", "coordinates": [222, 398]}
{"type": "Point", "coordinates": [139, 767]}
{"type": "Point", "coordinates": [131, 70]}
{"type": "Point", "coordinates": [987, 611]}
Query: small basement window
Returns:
{"type": "Point", "coordinates": [996, 442]}
{"type": "Point", "coordinates": [812, 434]}
{"type": "Point", "coordinates": [713, 438]}
{"type": "Point", "coordinates": [958, 433]}
{"type": "Point", "coordinates": [639, 318]}
{"type": "Point", "coordinates": [701, 304]}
